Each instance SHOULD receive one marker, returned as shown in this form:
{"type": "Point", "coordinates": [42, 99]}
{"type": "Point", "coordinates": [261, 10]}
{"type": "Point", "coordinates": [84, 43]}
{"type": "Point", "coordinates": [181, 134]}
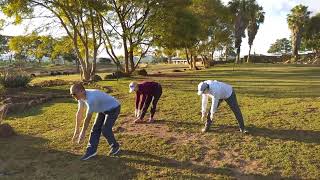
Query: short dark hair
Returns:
{"type": "Point", "coordinates": [78, 87]}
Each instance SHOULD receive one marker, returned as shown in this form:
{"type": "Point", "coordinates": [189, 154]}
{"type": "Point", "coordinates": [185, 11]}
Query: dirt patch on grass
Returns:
{"type": "Point", "coordinates": [212, 157]}
{"type": "Point", "coordinates": [158, 129]}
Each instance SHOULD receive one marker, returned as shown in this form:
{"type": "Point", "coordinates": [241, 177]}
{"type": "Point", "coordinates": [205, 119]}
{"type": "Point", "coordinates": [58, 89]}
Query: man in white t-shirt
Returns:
{"type": "Point", "coordinates": [107, 109]}
{"type": "Point", "coordinates": [218, 91]}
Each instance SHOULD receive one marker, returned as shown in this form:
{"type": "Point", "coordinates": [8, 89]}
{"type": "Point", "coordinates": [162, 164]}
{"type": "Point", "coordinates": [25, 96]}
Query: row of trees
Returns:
{"type": "Point", "coordinates": [35, 47]}
{"type": "Point", "coordinates": [196, 27]}
{"type": "Point", "coordinates": [305, 33]}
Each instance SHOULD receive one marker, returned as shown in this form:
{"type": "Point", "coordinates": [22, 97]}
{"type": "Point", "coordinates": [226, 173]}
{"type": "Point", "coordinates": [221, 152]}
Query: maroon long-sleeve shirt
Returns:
{"type": "Point", "coordinates": [145, 89]}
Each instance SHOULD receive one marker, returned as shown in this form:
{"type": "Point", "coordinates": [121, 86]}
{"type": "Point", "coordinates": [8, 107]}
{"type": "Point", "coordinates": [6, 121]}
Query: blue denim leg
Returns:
{"type": "Point", "coordinates": [95, 133]}
{"type": "Point", "coordinates": [233, 104]}
{"type": "Point", "coordinates": [108, 124]}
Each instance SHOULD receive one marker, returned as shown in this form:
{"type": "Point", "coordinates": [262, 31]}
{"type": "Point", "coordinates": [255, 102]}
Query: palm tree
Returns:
{"type": "Point", "coordinates": [256, 17]}
{"type": "Point", "coordinates": [240, 10]}
{"type": "Point", "coordinates": [296, 21]}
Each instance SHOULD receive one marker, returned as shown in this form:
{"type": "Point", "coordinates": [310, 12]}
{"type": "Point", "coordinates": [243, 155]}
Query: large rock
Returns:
{"type": "Point", "coordinates": [6, 131]}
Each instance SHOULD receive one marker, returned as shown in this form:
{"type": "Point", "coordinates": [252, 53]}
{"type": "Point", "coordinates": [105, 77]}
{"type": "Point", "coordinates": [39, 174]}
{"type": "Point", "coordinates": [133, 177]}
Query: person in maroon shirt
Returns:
{"type": "Point", "coordinates": [147, 91]}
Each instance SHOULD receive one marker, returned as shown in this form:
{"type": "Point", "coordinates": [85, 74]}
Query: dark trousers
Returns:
{"type": "Point", "coordinates": [103, 124]}
{"type": "Point", "coordinates": [155, 98]}
{"type": "Point", "coordinates": [233, 104]}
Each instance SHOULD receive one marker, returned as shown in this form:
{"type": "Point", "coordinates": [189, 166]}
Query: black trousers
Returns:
{"type": "Point", "coordinates": [154, 99]}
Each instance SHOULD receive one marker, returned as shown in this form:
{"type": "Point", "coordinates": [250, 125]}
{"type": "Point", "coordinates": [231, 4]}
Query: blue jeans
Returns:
{"type": "Point", "coordinates": [233, 104]}
{"type": "Point", "coordinates": [103, 124]}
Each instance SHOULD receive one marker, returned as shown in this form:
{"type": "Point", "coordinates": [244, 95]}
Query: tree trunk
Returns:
{"type": "Point", "coordinates": [191, 62]}
{"type": "Point", "coordinates": [194, 64]}
{"type": "Point", "coordinates": [205, 61]}
{"type": "Point", "coordinates": [238, 55]}
{"type": "Point", "coordinates": [295, 46]}
{"type": "Point", "coordinates": [169, 59]}
{"type": "Point", "coordinates": [188, 60]}
{"type": "Point", "coordinates": [126, 55]}
{"type": "Point", "coordinates": [131, 60]}
{"type": "Point", "coordinates": [77, 65]}
{"type": "Point", "coordinates": [248, 59]}
{"type": "Point", "coordinates": [226, 54]}
{"type": "Point", "coordinates": [94, 64]}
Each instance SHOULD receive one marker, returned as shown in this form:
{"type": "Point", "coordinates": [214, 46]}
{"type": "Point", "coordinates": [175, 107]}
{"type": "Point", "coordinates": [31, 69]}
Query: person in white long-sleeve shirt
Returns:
{"type": "Point", "coordinates": [218, 91]}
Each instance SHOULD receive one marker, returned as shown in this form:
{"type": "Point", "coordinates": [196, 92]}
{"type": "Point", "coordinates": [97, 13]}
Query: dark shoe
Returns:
{"type": "Point", "coordinates": [88, 155]}
{"type": "Point", "coordinates": [138, 120]}
{"type": "Point", "coordinates": [207, 126]}
{"type": "Point", "coordinates": [244, 131]}
{"type": "Point", "coordinates": [114, 151]}
{"type": "Point", "coordinates": [151, 120]}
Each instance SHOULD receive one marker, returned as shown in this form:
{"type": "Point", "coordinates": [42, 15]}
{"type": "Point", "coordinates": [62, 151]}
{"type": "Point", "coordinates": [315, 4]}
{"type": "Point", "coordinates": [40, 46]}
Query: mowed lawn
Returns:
{"type": "Point", "coordinates": [280, 104]}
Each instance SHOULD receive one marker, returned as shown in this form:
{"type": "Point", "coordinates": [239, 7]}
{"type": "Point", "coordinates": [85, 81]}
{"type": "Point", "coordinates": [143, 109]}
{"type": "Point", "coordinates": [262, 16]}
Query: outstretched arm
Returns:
{"type": "Point", "coordinates": [85, 127]}
{"type": "Point", "coordinates": [79, 118]}
{"type": "Point", "coordinates": [204, 103]}
{"type": "Point", "coordinates": [214, 106]}
{"type": "Point", "coordinates": [137, 112]}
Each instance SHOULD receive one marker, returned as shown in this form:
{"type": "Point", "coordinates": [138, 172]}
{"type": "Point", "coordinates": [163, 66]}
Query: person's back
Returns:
{"type": "Point", "coordinates": [148, 88]}
{"type": "Point", "coordinates": [219, 89]}
{"type": "Point", "coordinates": [98, 101]}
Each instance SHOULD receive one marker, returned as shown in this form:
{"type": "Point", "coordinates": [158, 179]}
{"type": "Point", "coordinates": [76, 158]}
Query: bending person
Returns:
{"type": "Point", "coordinates": [218, 91]}
{"type": "Point", "coordinates": [149, 92]}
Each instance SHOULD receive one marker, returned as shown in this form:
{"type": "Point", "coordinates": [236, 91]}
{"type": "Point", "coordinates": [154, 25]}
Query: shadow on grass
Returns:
{"type": "Point", "coordinates": [153, 160]}
{"type": "Point", "coordinates": [158, 161]}
{"type": "Point", "coordinates": [36, 110]}
{"type": "Point", "coordinates": [27, 157]}
{"type": "Point", "coordinates": [305, 136]}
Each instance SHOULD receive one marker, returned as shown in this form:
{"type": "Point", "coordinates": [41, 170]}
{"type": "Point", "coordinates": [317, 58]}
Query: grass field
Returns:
{"type": "Point", "coordinates": [280, 104]}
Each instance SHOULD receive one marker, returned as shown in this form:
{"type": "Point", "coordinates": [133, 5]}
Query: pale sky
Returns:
{"type": "Point", "coordinates": [274, 27]}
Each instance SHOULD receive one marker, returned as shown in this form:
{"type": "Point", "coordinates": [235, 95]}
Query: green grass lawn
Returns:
{"type": "Point", "coordinates": [280, 104]}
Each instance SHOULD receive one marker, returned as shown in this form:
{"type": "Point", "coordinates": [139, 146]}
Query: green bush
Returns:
{"type": "Point", "coordinates": [141, 72]}
{"type": "Point", "coordinates": [115, 75]}
{"type": "Point", "coordinates": [97, 78]}
{"type": "Point", "coordinates": [14, 80]}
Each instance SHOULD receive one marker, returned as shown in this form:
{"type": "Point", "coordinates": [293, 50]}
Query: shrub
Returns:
{"type": "Point", "coordinates": [115, 75]}
{"type": "Point", "coordinates": [97, 78]}
{"type": "Point", "coordinates": [50, 83]}
{"type": "Point", "coordinates": [14, 80]}
{"type": "Point", "coordinates": [141, 72]}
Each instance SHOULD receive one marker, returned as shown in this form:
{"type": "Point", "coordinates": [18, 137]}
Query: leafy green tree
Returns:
{"type": "Point", "coordinates": [281, 46]}
{"type": "Point", "coordinates": [215, 28]}
{"type": "Point", "coordinates": [4, 44]}
{"type": "Point", "coordinates": [174, 26]}
{"type": "Point", "coordinates": [31, 46]}
{"type": "Point", "coordinates": [125, 25]}
{"type": "Point", "coordinates": [256, 17]}
{"type": "Point", "coordinates": [312, 34]}
{"type": "Point", "coordinates": [297, 20]}
{"type": "Point", "coordinates": [79, 18]}
{"type": "Point", "coordinates": [63, 47]}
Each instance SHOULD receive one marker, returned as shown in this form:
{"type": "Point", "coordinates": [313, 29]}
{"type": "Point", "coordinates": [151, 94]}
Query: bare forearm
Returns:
{"type": "Point", "coordinates": [86, 123]}
{"type": "Point", "coordinates": [79, 118]}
